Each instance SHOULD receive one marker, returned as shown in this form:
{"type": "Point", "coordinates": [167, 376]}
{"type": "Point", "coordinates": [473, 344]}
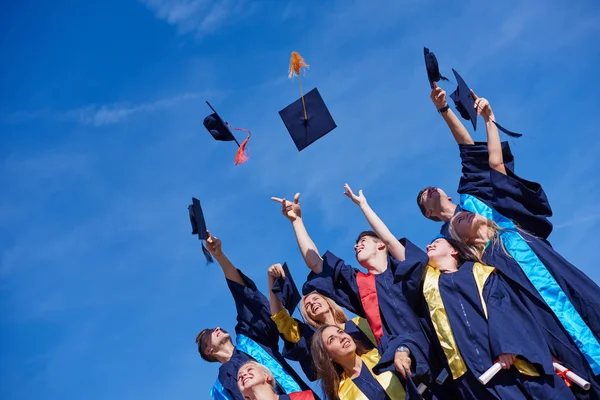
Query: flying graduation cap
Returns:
{"type": "Point", "coordinates": [199, 226]}
{"type": "Point", "coordinates": [465, 104]}
{"type": "Point", "coordinates": [433, 69]}
{"type": "Point", "coordinates": [307, 119]}
{"type": "Point", "coordinates": [219, 130]}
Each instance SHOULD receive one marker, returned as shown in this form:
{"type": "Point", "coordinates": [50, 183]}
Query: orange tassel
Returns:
{"type": "Point", "coordinates": [241, 156]}
{"type": "Point", "coordinates": [296, 62]}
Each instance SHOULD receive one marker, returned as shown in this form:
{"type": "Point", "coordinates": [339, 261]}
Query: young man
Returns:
{"type": "Point", "coordinates": [257, 336]}
{"type": "Point", "coordinates": [371, 295]}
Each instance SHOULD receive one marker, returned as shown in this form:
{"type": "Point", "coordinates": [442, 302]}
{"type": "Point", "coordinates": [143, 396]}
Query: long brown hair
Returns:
{"type": "Point", "coordinates": [328, 371]}
{"type": "Point", "coordinates": [339, 316]}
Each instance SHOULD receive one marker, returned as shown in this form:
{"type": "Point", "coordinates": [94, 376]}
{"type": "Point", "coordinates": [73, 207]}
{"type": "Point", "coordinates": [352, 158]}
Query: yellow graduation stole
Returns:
{"type": "Point", "coordinates": [364, 326]}
{"type": "Point", "coordinates": [441, 323]}
{"type": "Point", "coordinates": [388, 381]}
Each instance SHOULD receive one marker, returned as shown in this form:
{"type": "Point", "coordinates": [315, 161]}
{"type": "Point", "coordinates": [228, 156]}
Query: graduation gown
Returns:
{"type": "Point", "coordinates": [370, 386]}
{"type": "Point", "coordinates": [559, 295]}
{"type": "Point", "coordinates": [477, 317]}
{"type": "Point", "coordinates": [388, 311]}
{"type": "Point", "coordinates": [297, 334]}
{"type": "Point", "coordinates": [257, 340]}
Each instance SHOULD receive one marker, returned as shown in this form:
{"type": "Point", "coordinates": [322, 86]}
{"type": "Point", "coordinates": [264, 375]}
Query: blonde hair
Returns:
{"type": "Point", "coordinates": [264, 369]}
{"type": "Point", "coordinates": [339, 316]}
{"type": "Point", "coordinates": [477, 250]}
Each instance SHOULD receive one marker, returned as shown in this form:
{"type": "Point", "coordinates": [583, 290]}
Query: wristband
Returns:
{"type": "Point", "coordinates": [403, 349]}
{"type": "Point", "coordinates": [444, 109]}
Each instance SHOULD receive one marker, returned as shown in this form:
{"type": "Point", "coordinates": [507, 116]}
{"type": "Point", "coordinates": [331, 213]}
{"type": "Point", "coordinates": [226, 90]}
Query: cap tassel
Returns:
{"type": "Point", "coordinates": [296, 64]}
{"type": "Point", "coordinates": [241, 156]}
{"type": "Point", "coordinates": [509, 133]}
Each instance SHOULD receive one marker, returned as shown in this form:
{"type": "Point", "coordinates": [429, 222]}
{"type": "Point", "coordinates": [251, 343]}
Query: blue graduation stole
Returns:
{"type": "Point", "coordinates": [254, 350]}
{"type": "Point", "coordinates": [542, 280]}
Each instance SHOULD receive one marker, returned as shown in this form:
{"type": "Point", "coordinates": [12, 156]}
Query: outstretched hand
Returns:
{"type": "Point", "coordinates": [275, 271]}
{"type": "Point", "coordinates": [358, 200]}
{"type": "Point", "coordinates": [438, 97]}
{"type": "Point", "coordinates": [213, 245]}
{"type": "Point", "coordinates": [482, 106]}
{"type": "Point", "coordinates": [291, 210]}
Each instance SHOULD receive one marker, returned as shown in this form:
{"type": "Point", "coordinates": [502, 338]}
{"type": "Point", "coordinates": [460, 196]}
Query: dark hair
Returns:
{"type": "Point", "coordinates": [422, 207]}
{"type": "Point", "coordinates": [464, 253]}
{"type": "Point", "coordinates": [328, 371]}
{"type": "Point", "coordinates": [369, 234]}
{"type": "Point", "coordinates": [203, 342]}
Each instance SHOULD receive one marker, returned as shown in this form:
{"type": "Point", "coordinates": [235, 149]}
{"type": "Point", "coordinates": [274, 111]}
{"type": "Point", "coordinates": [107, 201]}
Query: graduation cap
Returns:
{"type": "Point", "coordinates": [465, 105]}
{"type": "Point", "coordinates": [287, 291]}
{"type": "Point", "coordinates": [219, 130]}
{"type": "Point", "coordinates": [317, 124]}
{"type": "Point", "coordinates": [433, 69]}
{"type": "Point", "coordinates": [199, 225]}
{"type": "Point", "coordinates": [308, 118]}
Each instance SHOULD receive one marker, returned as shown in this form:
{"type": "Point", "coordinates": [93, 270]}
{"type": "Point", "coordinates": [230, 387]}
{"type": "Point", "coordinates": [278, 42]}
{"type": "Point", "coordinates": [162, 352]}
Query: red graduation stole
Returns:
{"type": "Point", "coordinates": [367, 290]}
{"type": "Point", "coordinates": [305, 395]}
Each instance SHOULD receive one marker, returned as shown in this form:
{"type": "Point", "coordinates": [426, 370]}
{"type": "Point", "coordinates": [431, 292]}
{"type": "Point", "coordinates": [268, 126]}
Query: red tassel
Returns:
{"type": "Point", "coordinates": [241, 156]}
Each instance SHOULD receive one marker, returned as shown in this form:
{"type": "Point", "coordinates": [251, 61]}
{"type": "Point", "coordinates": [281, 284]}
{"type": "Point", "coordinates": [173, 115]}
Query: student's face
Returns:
{"type": "Point", "coordinates": [218, 337]}
{"type": "Point", "coordinates": [338, 343]}
{"type": "Point", "coordinates": [440, 250]}
{"type": "Point", "coordinates": [366, 248]}
{"type": "Point", "coordinates": [250, 375]}
{"type": "Point", "coordinates": [432, 199]}
{"type": "Point", "coordinates": [315, 306]}
{"type": "Point", "coordinates": [466, 225]}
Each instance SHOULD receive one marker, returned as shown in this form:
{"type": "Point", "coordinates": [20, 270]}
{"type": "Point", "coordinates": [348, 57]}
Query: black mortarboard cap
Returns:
{"type": "Point", "coordinates": [219, 130]}
{"type": "Point", "coordinates": [465, 104]}
{"type": "Point", "coordinates": [463, 100]}
{"type": "Point", "coordinates": [433, 69]}
{"type": "Point", "coordinates": [287, 291]}
{"type": "Point", "coordinates": [199, 225]}
{"type": "Point", "coordinates": [318, 123]}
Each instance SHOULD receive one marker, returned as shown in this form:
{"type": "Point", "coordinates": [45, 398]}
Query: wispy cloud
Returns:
{"type": "Point", "coordinates": [101, 114]}
{"type": "Point", "coordinates": [195, 16]}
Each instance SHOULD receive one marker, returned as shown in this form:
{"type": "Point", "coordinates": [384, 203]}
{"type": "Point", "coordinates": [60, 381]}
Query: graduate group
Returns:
{"type": "Point", "coordinates": [487, 310]}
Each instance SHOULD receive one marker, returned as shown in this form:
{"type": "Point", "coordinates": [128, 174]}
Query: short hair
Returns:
{"type": "Point", "coordinates": [264, 369]}
{"type": "Point", "coordinates": [368, 234]}
{"type": "Point", "coordinates": [422, 207]}
{"type": "Point", "coordinates": [203, 342]}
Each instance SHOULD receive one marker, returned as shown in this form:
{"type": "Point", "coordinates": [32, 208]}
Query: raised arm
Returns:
{"type": "Point", "coordinates": [460, 133]}
{"type": "Point", "coordinates": [273, 273]}
{"type": "Point", "coordinates": [496, 158]}
{"type": "Point", "coordinates": [213, 245]}
{"type": "Point", "coordinates": [308, 249]}
{"type": "Point", "coordinates": [395, 248]}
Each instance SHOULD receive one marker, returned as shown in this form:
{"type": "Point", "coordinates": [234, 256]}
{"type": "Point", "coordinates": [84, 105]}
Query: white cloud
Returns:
{"type": "Point", "coordinates": [195, 16]}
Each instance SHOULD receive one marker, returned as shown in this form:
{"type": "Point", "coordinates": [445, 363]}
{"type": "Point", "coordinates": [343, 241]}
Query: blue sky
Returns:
{"type": "Point", "coordinates": [103, 288]}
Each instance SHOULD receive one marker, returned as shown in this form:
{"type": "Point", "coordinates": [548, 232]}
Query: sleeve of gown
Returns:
{"type": "Point", "coordinates": [475, 178]}
{"type": "Point", "coordinates": [338, 282]}
{"type": "Point", "coordinates": [522, 201]}
{"type": "Point", "coordinates": [253, 313]}
{"type": "Point", "coordinates": [387, 349]}
{"type": "Point", "coordinates": [296, 341]}
{"type": "Point", "coordinates": [512, 328]}
{"type": "Point", "coordinates": [410, 272]}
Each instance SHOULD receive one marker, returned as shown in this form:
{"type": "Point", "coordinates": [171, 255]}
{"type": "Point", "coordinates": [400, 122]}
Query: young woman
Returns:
{"type": "Point", "coordinates": [477, 319]}
{"type": "Point", "coordinates": [316, 310]}
{"type": "Point", "coordinates": [510, 233]}
{"type": "Point", "coordinates": [346, 369]}
{"type": "Point", "coordinates": [256, 382]}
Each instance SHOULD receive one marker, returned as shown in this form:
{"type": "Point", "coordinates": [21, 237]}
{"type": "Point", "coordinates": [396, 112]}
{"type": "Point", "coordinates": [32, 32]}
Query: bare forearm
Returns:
{"type": "Point", "coordinates": [460, 133]}
{"type": "Point", "coordinates": [229, 269]}
{"type": "Point", "coordinates": [308, 249]}
{"type": "Point", "coordinates": [395, 248]}
{"type": "Point", "coordinates": [494, 146]}
{"type": "Point", "coordinates": [275, 304]}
